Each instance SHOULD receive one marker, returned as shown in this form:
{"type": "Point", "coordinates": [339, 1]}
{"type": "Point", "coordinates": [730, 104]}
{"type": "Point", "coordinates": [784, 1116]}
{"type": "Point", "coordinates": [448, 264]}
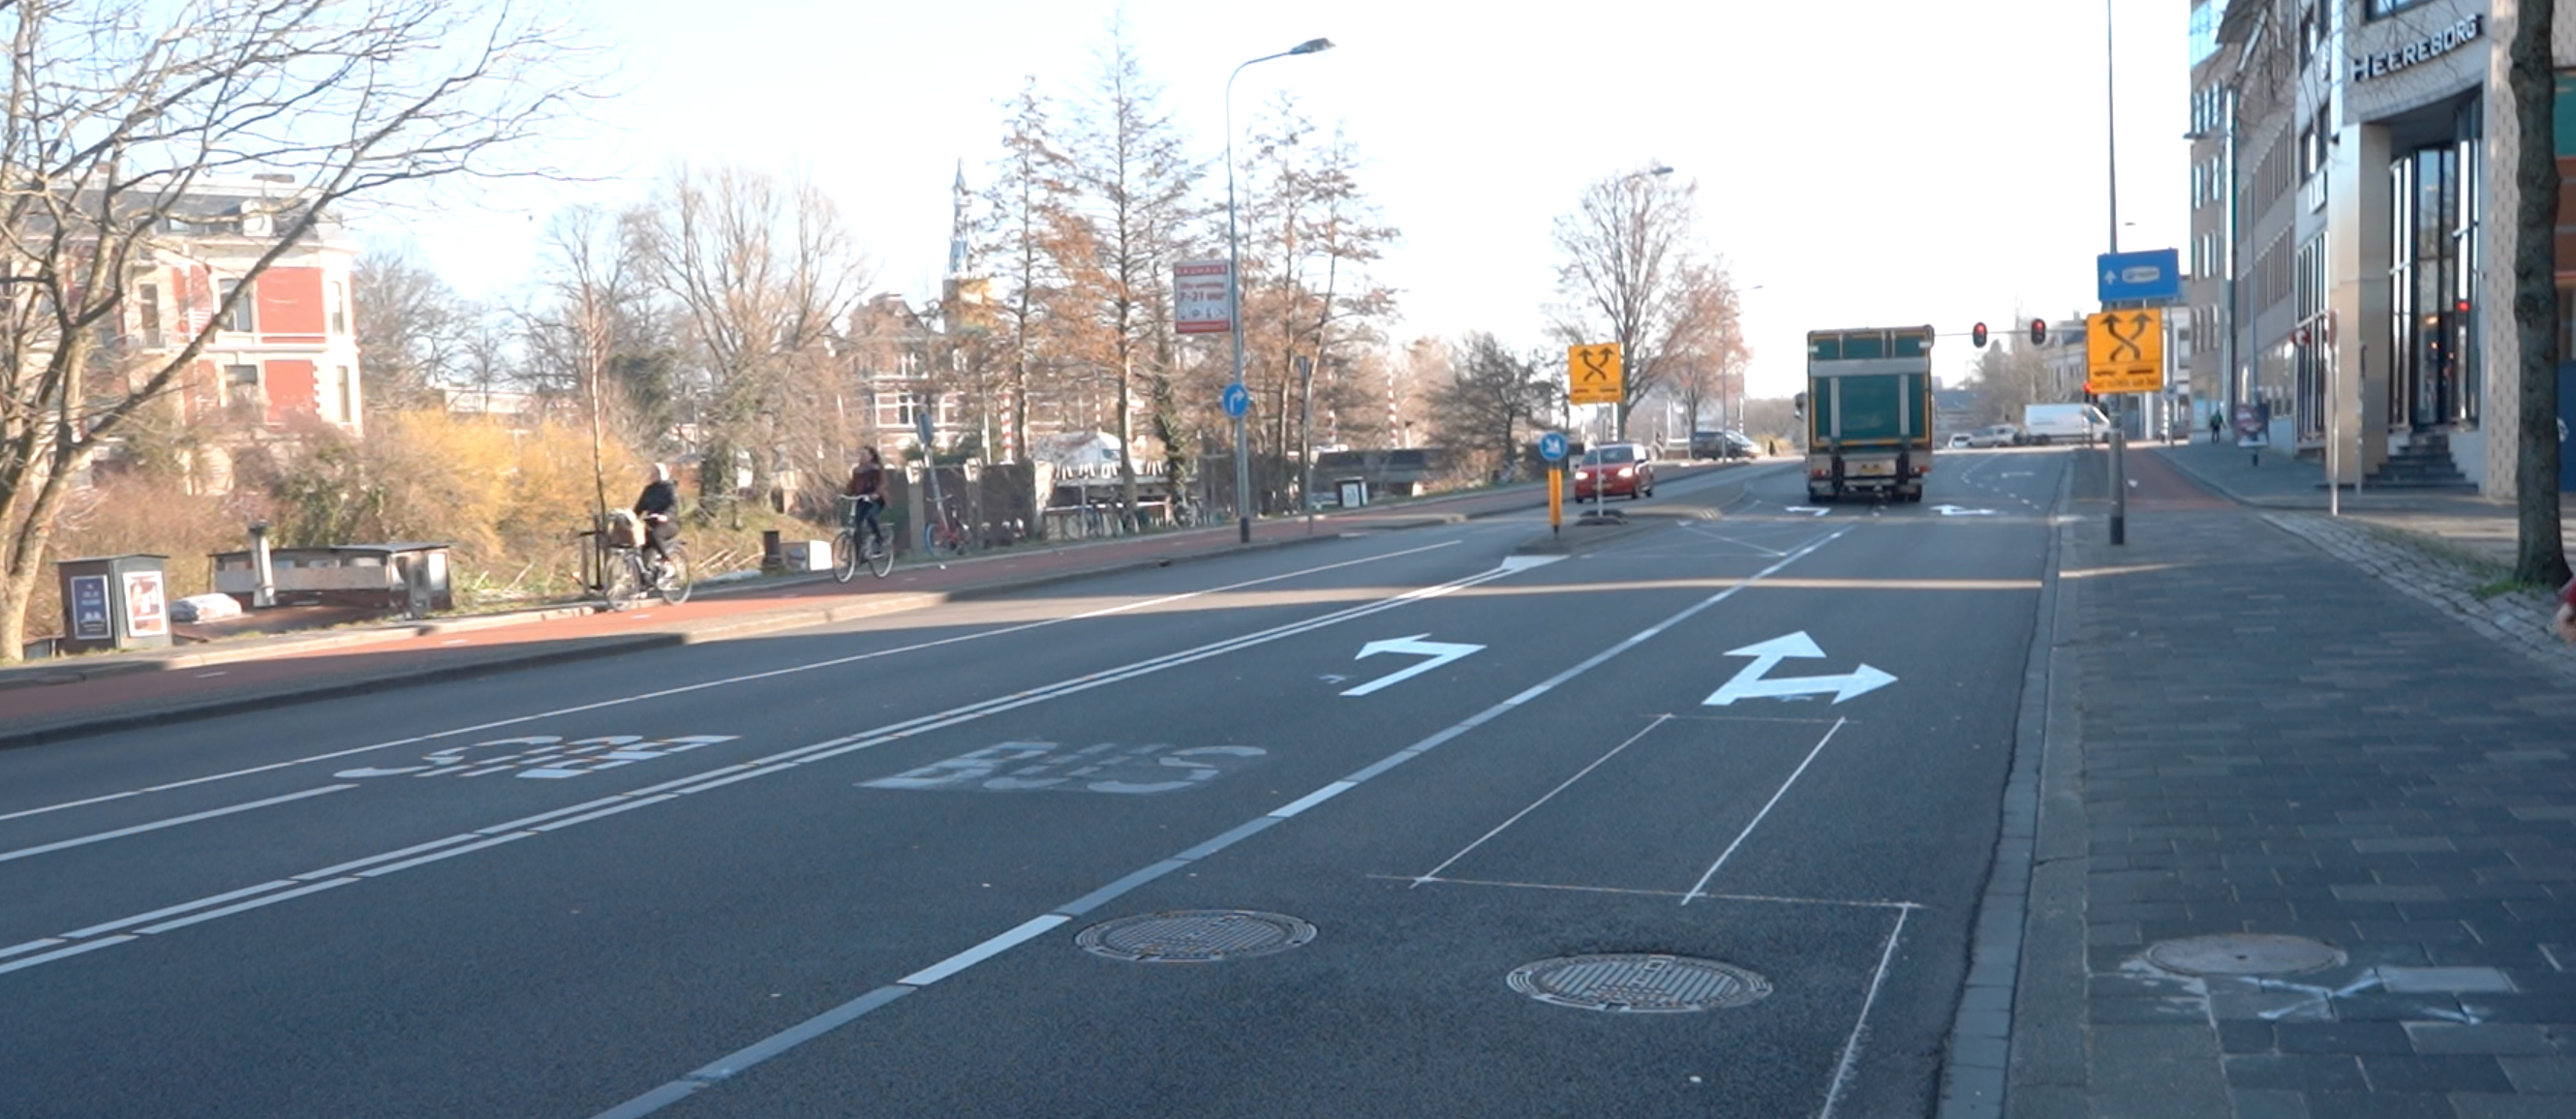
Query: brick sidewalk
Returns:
{"type": "Point", "coordinates": [2271, 738]}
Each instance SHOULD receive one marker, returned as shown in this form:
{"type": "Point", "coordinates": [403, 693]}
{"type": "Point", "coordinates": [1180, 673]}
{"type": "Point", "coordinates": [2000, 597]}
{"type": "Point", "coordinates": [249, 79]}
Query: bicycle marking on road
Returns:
{"type": "Point", "coordinates": [743, 1059]}
{"type": "Point", "coordinates": [551, 758]}
{"type": "Point", "coordinates": [665, 693]}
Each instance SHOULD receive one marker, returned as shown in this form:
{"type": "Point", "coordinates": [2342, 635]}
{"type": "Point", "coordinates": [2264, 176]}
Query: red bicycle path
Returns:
{"type": "Point", "coordinates": [54, 700]}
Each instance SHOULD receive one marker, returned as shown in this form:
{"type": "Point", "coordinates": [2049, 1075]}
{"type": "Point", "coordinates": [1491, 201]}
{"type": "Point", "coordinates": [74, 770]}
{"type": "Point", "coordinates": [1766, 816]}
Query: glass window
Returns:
{"type": "Point", "coordinates": [339, 308]}
{"type": "Point", "coordinates": [242, 317]}
{"type": "Point", "coordinates": [2377, 8]}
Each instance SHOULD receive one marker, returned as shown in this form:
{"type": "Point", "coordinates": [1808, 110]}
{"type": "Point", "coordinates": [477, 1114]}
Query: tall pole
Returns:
{"type": "Point", "coordinates": [2119, 403]}
{"type": "Point", "coordinates": [1243, 510]}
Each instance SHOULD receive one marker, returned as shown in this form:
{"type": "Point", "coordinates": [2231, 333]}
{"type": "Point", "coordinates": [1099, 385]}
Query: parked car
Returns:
{"type": "Point", "coordinates": [1995, 435]}
{"type": "Point", "coordinates": [1958, 439]}
{"type": "Point", "coordinates": [1723, 445]}
{"type": "Point", "coordinates": [1618, 469]}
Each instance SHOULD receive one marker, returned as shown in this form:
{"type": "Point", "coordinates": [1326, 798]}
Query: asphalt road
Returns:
{"type": "Point", "coordinates": [846, 870]}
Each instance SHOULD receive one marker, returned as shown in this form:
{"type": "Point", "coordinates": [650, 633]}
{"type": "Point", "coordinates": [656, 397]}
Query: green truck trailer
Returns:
{"type": "Point", "coordinates": [1868, 407]}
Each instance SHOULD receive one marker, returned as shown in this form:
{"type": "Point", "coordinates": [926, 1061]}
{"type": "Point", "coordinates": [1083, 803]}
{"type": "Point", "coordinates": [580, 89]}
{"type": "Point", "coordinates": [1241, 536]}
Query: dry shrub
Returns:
{"type": "Point", "coordinates": [145, 512]}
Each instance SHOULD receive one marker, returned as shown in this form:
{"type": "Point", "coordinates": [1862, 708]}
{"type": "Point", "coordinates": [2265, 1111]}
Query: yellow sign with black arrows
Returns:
{"type": "Point", "coordinates": [2124, 351]}
{"type": "Point", "coordinates": [1592, 374]}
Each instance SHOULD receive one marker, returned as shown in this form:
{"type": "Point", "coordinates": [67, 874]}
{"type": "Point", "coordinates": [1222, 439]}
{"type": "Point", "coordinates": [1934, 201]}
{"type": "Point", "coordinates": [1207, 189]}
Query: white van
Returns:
{"type": "Point", "coordinates": [2064, 423]}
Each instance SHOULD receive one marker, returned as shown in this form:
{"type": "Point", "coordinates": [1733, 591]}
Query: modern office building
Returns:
{"type": "Point", "coordinates": [2352, 230]}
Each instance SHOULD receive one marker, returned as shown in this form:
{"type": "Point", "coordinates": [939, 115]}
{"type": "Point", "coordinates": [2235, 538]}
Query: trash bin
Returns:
{"type": "Point", "coordinates": [114, 602]}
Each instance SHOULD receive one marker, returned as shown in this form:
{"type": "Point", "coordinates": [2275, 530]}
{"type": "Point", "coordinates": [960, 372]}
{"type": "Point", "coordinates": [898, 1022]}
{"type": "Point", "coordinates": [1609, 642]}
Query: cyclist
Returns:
{"type": "Point", "coordinates": [867, 484]}
{"type": "Point", "coordinates": [659, 502]}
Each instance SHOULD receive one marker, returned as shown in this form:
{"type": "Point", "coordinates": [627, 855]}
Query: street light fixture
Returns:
{"type": "Point", "coordinates": [1234, 291]}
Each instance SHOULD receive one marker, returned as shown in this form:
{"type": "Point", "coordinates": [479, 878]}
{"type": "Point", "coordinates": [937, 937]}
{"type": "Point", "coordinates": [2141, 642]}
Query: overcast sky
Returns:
{"type": "Point", "coordinates": [1874, 162]}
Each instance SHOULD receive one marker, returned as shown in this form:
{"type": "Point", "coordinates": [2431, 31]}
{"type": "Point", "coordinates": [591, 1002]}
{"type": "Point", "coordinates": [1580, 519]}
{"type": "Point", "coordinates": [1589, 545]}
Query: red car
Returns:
{"type": "Point", "coordinates": [1624, 470]}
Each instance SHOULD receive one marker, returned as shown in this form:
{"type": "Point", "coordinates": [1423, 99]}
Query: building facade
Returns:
{"type": "Point", "coordinates": [2352, 226]}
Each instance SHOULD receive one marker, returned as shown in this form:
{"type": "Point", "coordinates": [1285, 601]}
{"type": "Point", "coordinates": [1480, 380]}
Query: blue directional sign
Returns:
{"type": "Point", "coordinates": [1551, 446]}
{"type": "Point", "coordinates": [2154, 276]}
{"type": "Point", "coordinates": [1237, 400]}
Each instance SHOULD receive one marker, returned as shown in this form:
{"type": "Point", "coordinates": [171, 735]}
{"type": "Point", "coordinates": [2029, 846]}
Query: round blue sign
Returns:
{"type": "Point", "coordinates": [1237, 400]}
{"type": "Point", "coordinates": [1551, 446]}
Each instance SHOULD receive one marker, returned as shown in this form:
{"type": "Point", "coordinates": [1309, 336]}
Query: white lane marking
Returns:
{"type": "Point", "coordinates": [1774, 899]}
{"type": "Point", "coordinates": [1851, 1045]}
{"type": "Point", "coordinates": [1698, 887]}
{"type": "Point", "coordinates": [240, 907]}
{"type": "Point", "coordinates": [336, 870]}
{"type": "Point", "coordinates": [62, 953]}
{"type": "Point", "coordinates": [982, 952]}
{"type": "Point", "coordinates": [664, 693]}
{"type": "Point", "coordinates": [30, 946]}
{"type": "Point", "coordinates": [182, 907]}
{"type": "Point", "coordinates": [172, 822]}
{"type": "Point", "coordinates": [677, 1090]}
{"type": "Point", "coordinates": [1579, 774]}
{"type": "Point", "coordinates": [787, 760]}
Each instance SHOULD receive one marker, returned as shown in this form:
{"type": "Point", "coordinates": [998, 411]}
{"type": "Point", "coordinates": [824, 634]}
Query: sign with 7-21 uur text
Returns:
{"type": "Point", "coordinates": [1200, 297]}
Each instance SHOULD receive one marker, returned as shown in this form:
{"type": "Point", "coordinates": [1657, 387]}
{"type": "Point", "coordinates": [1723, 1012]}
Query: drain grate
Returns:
{"type": "Point", "coordinates": [1638, 983]}
{"type": "Point", "coordinates": [1194, 936]}
{"type": "Point", "coordinates": [2243, 954]}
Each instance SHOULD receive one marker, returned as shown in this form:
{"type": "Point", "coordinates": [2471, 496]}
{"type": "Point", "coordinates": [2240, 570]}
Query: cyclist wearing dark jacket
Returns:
{"type": "Point", "coordinates": [867, 484]}
{"type": "Point", "coordinates": [656, 507]}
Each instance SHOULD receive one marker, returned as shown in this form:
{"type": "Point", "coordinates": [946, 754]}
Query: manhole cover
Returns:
{"type": "Point", "coordinates": [2243, 954]}
{"type": "Point", "coordinates": [1638, 983]}
{"type": "Point", "coordinates": [1194, 936]}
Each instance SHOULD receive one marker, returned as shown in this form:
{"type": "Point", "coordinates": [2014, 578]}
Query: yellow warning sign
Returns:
{"type": "Point", "coordinates": [1592, 374]}
{"type": "Point", "coordinates": [2124, 351]}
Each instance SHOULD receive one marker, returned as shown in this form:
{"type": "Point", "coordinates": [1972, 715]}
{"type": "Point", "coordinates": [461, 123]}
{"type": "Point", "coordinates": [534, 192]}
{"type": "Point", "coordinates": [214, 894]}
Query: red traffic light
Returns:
{"type": "Point", "coordinates": [2039, 332]}
{"type": "Point", "coordinates": [1977, 334]}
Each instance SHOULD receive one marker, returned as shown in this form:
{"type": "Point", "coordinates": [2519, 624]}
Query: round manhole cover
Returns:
{"type": "Point", "coordinates": [1194, 936]}
{"type": "Point", "coordinates": [2243, 954]}
{"type": "Point", "coordinates": [1638, 983]}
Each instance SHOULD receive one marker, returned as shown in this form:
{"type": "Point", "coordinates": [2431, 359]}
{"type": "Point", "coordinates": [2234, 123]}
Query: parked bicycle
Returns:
{"type": "Point", "coordinates": [630, 571]}
{"type": "Point", "coordinates": [947, 532]}
{"type": "Point", "coordinates": [850, 551]}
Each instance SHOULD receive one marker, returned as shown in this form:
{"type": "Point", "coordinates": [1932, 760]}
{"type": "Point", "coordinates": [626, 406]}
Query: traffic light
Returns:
{"type": "Point", "coordinates": [2039, 332]}
{"type": "Point", "coordinates": [1977, 334]}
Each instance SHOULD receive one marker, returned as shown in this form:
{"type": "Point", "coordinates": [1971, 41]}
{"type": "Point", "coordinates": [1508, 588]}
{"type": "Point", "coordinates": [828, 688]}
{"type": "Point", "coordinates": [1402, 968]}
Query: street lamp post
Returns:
{"type": "Point", "coordinates": [1234, 291]}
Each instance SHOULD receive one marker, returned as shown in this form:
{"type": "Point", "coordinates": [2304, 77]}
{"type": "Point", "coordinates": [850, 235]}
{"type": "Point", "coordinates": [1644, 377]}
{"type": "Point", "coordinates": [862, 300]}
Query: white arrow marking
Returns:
{"type": "Point", "coordinates": [1960, 511]}
{"type": "Point", "coordinates": [1749, 684]}
{"type": "Point", "coordinates": [1804, 509]}
{"type": "Point", "coordinates": [1440, 652]}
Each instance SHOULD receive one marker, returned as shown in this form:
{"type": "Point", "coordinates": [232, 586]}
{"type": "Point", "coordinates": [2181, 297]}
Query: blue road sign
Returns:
{"type": "Point", "coordinates": [2151, 276]}
{"type": "Point", "coordinates": [1551, 446]}
{"type": "Point", "coordinates": [1237, 400]}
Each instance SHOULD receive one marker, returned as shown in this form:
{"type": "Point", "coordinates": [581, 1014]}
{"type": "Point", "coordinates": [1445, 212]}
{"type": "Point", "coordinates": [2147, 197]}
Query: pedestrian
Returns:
{"type": "Point", "coordinates": [2216, 425]}
{"type": "Point", "coordinates": [2567, 612]}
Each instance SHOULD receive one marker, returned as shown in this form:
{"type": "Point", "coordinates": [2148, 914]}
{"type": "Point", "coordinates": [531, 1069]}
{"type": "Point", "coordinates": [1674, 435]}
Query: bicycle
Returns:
{"type": "Point", "coordinates": [847, 552]}
{"type": "Point", "coordinates": [633, 572]}
{"type": "Point", "coordinates": [946, 533]}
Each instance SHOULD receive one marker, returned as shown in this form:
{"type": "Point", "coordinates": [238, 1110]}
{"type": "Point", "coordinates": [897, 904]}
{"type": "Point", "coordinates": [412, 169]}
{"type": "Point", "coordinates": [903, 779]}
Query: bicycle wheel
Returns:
{"type": "Point", "coordinates": [677, 580]}
{"type": "Point", "coordinates": [881, 555]}
{"type": "Point", "coordinates": [845, 556]}
{"type": "Point", "coordinates": [625, 578]}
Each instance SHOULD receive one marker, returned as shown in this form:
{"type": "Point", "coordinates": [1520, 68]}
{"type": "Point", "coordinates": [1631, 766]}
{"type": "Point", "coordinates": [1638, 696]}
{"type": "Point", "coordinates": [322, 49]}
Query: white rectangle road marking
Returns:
{"type": "Point", "coordinates": [451, 852]}
{"type": "Point", "coordinates": [64, 953]}
{"type": "Point", "coordinates": [982, 952]}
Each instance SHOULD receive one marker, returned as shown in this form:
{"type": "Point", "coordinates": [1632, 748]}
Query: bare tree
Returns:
{"type": "Point", "coordinates": [2540, 552]}
{"type": "Point", "coordinates": [1027, 204]}
{"type": "Point", "coordinates": [1708, 355]}
{"type": "Point", "coordinates": [411, 327]}
{"type": "Point", "coordinates": [118, 114]}
{"type": "Point", "coordinates": [764, 272]}
{"type": "Point", "coordinates": [1492, 400]}
{"type": "Point", "coordinates": [1136, 184]}
{"type": "Point", "coordinates": [1627, 256]}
